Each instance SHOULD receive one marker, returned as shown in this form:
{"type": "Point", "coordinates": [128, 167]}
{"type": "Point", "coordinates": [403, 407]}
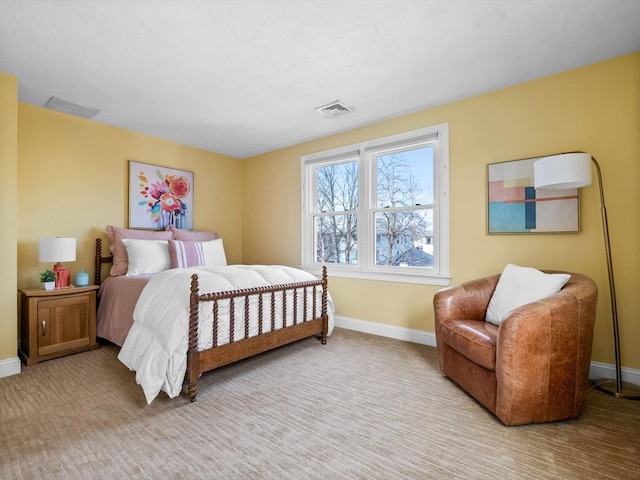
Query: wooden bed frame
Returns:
{"type": "Point", "coordinates": [202, 361]}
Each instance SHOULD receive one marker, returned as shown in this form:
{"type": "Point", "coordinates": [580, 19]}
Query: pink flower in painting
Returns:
{"type": "Point", "coordinates": [157, 189]}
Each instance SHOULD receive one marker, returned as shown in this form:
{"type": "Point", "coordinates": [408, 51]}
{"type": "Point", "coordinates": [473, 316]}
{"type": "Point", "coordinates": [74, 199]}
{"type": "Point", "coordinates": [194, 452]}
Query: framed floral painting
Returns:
{"type": "Point", "coordinates": [159, 197]}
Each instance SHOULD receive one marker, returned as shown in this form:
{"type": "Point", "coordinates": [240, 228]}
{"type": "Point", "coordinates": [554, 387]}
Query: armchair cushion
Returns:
{"type": "Point", "coordinates": [519, 286]}
{"type": "Point", "coordinates": [474, 339]}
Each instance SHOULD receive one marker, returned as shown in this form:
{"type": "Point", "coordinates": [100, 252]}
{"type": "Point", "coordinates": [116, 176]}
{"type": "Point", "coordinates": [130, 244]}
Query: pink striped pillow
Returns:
{"type": "Point", "coordinates": [186, 254]}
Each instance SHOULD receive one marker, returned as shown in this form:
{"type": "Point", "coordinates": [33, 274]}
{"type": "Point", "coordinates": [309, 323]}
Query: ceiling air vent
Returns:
{"type": "Point", "coordinates": [71, 108]}
{"type": "Point", "coordinates": [334, 109]}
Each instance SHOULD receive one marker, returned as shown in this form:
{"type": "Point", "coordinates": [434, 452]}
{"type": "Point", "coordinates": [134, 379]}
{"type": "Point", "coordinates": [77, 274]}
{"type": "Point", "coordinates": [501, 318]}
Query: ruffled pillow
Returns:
{"type": "Point", "coordinates": [191, 235]}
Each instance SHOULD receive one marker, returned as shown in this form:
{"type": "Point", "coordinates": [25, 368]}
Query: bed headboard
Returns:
{"type": "Point", "coordinates": [98, 261]}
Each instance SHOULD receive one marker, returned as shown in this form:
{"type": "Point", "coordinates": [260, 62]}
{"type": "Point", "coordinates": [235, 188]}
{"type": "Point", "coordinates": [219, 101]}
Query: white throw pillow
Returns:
{"type": "Point", "coordinates": [147, 256]}
{"type": "Point", "coordinates": [521, 285]}
{"type": "Point", "coordinates": [214, 255]}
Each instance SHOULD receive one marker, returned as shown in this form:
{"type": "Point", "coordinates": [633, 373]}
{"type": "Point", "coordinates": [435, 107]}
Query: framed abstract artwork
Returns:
{"type": "Point", "coordinates": [159, 197]}
{"type": "Point", "coordinates": [514, 206]}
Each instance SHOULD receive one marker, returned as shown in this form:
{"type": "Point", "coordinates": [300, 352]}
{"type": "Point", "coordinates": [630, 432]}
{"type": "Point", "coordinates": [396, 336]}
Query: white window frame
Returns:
{"type": "Point", "coordinates": [436, 136]}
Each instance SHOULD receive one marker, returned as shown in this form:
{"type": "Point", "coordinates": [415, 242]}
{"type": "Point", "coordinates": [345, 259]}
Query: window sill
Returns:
{"type": "Point", "coordinates": [411, 276]}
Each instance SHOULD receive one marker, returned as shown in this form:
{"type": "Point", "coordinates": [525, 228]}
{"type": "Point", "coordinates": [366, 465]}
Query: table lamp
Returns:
{"type": "Point", "coordinates": [58, 250]}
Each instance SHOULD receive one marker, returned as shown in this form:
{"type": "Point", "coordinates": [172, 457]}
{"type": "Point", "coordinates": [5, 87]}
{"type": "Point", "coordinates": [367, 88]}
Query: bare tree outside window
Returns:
{"type": "Point", "coordinates": [337, 204]}
{"type": "Point", "coordinates": [379, 209]}
{"type": "Point", "coordinates": [404, 214]}
{"type": "Point", "coordinates": [403, 217]}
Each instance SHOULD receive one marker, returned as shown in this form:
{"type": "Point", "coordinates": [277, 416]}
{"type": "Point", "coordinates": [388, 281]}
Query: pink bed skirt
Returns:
{"type": "Point", "coordinates": [117, 299]}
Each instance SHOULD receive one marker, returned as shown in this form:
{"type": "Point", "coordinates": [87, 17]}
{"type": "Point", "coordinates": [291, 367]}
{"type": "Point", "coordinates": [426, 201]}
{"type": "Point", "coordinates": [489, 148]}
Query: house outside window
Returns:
{"type": "Point", "coordinates": [379, 209]}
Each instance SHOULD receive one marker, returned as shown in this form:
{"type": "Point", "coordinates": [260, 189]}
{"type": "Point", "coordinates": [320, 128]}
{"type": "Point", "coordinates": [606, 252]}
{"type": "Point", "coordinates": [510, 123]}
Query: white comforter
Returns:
{"type": "Point", "coordinates": [157, 343]}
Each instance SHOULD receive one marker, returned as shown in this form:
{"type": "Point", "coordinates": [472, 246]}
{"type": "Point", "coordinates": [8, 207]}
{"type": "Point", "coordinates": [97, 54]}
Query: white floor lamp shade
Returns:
{"type": "Point", "coordinates": [568, 170]}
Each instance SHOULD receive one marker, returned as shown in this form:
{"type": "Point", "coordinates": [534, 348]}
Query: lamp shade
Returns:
{"type": "Point", "coordinates": [564, 171]}
{"type": "Point", "coordinates": [57, 250]}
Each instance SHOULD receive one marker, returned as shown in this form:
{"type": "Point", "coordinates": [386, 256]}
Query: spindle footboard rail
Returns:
{"type": "Point", "coordinates": [314, 321]}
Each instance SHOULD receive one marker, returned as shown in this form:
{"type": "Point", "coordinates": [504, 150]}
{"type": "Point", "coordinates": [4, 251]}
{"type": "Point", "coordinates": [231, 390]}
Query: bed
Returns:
{"type": "Point", "coordinates": [199, 323]}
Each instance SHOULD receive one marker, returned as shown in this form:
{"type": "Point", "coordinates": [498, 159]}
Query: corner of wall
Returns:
{"type": "Point", "coordinates": [9, 231]}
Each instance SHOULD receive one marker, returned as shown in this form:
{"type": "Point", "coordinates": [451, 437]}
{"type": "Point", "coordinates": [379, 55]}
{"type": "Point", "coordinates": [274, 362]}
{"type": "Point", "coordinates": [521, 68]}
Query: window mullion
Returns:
{"type": "Point", "coordinates": [364, 249]}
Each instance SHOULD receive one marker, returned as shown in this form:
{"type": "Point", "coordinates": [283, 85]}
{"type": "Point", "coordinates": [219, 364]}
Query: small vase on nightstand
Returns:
{"type": "Point", "coordinates": [82, 278]}
{"type": "Point", "coordinates": [48, 286]}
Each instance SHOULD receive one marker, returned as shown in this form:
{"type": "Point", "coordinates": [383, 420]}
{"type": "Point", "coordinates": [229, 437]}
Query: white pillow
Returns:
{"type": "Point", "coordinates": [147, 256]}
{"type": "Point", "coordinates": [214, 255]}
{"type": "Point", "coordinates": [521, 285]}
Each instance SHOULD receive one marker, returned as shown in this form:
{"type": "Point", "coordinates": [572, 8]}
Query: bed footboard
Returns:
{"type": "Point", "coordinates": [313, 320]}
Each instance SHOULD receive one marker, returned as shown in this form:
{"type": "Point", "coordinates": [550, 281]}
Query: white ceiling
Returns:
{"type": "Point", "coordinates": [244, 77]}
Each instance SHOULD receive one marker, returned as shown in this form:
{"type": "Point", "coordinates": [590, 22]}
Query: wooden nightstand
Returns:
{"type": "Point", "coordinates": [57, 323]}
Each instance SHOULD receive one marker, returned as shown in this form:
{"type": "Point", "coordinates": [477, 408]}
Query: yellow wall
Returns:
{"type": "Point", "coordinates": [595, 109]}
{"type": "Point", "coordinates": [73, 181]}
{"type": "Point", "coordinates": [9, 203]}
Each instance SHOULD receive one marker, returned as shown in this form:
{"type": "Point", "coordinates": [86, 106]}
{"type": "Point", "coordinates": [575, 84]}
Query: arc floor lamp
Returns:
{"type": "Point", "coordinates": [573, 170]}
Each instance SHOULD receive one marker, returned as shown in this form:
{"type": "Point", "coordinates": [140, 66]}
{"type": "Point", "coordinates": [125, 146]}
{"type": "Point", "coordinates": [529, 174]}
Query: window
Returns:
{"type": "Point", "coordinates": [379, 209]}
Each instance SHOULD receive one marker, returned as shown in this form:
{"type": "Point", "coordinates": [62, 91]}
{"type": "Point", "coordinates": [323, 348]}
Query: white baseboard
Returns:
{"type": "Point", "coordinates": [605, 370]}
{"type": "Point", "coordinates": [597, 370]}
{"type": "Point", "coordinates": [10, 366]}
{"type": "Point", "coordinates": [390, 331]}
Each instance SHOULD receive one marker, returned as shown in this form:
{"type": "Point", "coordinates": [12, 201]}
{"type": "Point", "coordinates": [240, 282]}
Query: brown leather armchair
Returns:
{"type": "Point", "coordinates": [534, 367]}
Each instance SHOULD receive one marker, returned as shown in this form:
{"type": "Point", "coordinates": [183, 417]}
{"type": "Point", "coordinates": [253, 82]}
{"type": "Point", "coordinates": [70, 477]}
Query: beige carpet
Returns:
{"type": "Point", "coordinates": [361, 407]}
